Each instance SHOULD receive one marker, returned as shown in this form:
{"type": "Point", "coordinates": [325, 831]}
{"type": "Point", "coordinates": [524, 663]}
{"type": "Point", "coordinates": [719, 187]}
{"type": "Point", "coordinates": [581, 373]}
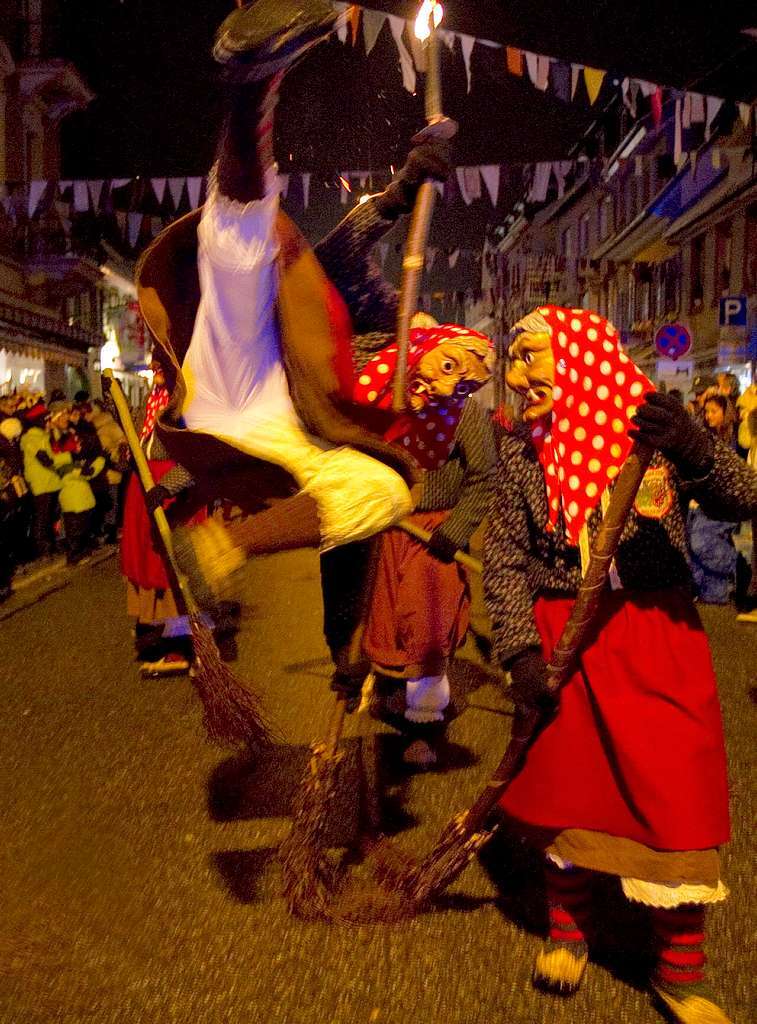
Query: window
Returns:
{"type": "Point", "coordinates": [696, 292]}
{"type": "Point", "coordinates": [722, 268]}
{"type": "Point", "coordinates": [583, 235]}
{"type": "Point", "coordinates": [605, 217]}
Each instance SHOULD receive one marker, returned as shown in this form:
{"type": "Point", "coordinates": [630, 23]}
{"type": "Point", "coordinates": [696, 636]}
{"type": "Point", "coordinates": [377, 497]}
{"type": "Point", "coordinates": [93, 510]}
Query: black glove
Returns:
{"type": "Point", "coordinates": [45, 459]}
{"type": "Point", "coordinates": [155, 497]}
{"type": "Point", "coordinates": [441, 546]}
{"type": "Point", "coordinates": [665, 425]}
{"type": "Point", "coordinates": [348, 687]}
{"type": "Point", "coordinates": [528, 672]}
{"type": "Point", "coordinates": [428, 160]}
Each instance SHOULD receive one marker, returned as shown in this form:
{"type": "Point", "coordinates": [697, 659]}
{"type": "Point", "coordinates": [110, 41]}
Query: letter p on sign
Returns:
{"type": "Point", "coordinates": [733, 311]}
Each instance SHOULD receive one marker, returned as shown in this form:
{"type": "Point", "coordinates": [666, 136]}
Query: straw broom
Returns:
{"type": "Point", "coordinates": [308, 876]}
{"type": "Point", "coordinates": [232, 713]}
{"type": "Point", "coordinates": [420, 882]}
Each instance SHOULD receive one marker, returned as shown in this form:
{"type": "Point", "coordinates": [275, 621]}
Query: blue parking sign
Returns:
{"type": "Point", "coordinates": [733, 311]}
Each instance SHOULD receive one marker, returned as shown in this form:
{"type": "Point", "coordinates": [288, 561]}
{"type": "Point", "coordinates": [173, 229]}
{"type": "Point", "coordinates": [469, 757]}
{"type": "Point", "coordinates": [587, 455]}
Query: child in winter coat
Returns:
{"type": "Point", "coordinates": [77, 500]}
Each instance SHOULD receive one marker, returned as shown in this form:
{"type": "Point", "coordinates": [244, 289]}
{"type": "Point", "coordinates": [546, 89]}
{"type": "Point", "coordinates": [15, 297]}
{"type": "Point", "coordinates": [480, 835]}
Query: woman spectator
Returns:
{"type": "Point", "coordinates": [40, 474]}
{"type": "Point", "coordinates": [713, 553]}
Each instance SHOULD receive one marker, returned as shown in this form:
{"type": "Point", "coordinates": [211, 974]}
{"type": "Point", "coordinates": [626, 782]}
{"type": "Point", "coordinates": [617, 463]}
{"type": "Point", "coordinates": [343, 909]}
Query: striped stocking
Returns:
{"type": "Point", "coordinates": [680, 937]}
{"type": "Point", "coordinates": [568, 897]}
{"type": "Point", "coordinates": [560, 964]}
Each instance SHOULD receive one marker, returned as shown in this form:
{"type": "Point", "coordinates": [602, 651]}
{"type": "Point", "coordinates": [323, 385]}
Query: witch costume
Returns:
{"type": "Point", "coordinates": [629, 776]}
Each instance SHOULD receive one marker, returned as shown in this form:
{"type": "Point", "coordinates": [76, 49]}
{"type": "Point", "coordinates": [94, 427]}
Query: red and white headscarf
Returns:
{"type": "Point", "coordinates": [157, 400]}
{"type": "Point", "coordinates": [597, 390]}
{"type": "Point", "coordinates": [428, 435]}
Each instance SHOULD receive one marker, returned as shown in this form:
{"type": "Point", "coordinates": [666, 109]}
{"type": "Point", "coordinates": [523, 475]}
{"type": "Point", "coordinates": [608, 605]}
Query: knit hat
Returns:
{"type": "Point", "coordinates": [10, 428]}
{"type": "Point", "coordinates": [596, 392]}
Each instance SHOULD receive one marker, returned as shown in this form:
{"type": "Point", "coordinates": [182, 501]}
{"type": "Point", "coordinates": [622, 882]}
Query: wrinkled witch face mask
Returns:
{"type": "Point", "coordinates": [447, 371]}
{"type": "Point", "coordinates": [532, 369]}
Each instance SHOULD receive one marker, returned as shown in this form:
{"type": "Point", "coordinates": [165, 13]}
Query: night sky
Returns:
{"type": "Point", "coordinates": [157, 98]}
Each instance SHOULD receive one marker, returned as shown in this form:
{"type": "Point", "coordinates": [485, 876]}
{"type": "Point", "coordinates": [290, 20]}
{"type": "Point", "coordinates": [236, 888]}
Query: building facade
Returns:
{"type": "Point", "coordinates": [50, 289]}
{"type": "Point", "coordinates": [647, 237]}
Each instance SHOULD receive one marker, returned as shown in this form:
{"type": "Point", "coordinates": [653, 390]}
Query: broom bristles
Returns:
{"type": "Point", "coordinates": [308, 877]}
{"type": "Point", "coordinates": [232, 713]}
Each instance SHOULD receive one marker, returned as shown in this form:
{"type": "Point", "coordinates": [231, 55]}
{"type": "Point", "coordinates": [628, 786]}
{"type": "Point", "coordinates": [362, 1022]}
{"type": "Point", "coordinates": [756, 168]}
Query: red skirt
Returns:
{"type": "Point", "coordinates": [420, 606]}
{"type": "Point", "coordinates": [141, 560]}
{"type": "Point", "coordinates": [636, 749]}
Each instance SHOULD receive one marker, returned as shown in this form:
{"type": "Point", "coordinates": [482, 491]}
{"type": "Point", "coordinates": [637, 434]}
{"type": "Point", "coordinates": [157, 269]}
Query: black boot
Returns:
{"type": "Point", "coordinates": [267, 36]}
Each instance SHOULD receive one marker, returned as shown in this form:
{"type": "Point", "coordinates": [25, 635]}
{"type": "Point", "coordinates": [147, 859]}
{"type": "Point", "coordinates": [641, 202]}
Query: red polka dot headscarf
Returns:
{"type": "Point", "coordinates": [157, 401]}
{"type": "Point", "coordinates": [428, 435]}
{"type": "Point", "coordinates": [584, 442]}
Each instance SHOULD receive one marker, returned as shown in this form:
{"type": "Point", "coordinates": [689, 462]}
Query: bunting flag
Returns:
{"type": "Point", "coordinates": [354, 20]}
{"type": "Point", "coordinates": [120, 182]}
{"type": "Point", "coordinates": [541, 67]}
{"type": "Point", "coordinates": [561, 80]}
{"type": "Point", "coordinates": [467, 42]}
{"type": "Point", "coordinates": [593, 78]}
{"type": "Point", "coordinates": [745, 113]}
{"type": "Point", "coordinates": [575, 74]}
{"type": "Point", "coordinates": [514, 60]}
{"type": "Point", "coordinates": [194, 187]}
{"type": "Point", "coordinates": [561, 169]}
{"type": "Point", "coordinates": [397, 26]}
{"type": "Point", "coordinates": [712, 106]}
{"type": "Point", "coordinates": [341, 32]}
{"type": "Point", "coordinates": [36, 190]}
{"type": "Point", "coordinates": [306, 189]}
{"type": "Point", "coordinates": [540, 184]}
{"type": "Point", "coordinates": [431, 252]}
{"type": "Point", "coordinates": [490, 173]}
{"type": "Point", "coordinates": [95, 193]}
{"type": "Point", "coordinates": [283, 184]}
{"type": "Point", "coordinates": [656, 102]}
{"type": "Point", "coordinates": [373, 22]}
{"type": "Point", "coordinates": [452, 259]}
{"type": "Point", "coordinates": [135, 224]}
{"type": "Point", "coordinates": [176, 189]}
{"type": "Point", "coordinates": [159, 188]}
{"type": "Point", "coordinates": [697, 108]}
{"type": "Point", "coordinates": [81, 196]}
{"type": "Point", "coordinates": [686, 112]}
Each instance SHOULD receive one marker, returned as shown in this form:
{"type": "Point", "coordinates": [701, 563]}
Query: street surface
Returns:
{"type": "Point", "coordinates": [138, 863]}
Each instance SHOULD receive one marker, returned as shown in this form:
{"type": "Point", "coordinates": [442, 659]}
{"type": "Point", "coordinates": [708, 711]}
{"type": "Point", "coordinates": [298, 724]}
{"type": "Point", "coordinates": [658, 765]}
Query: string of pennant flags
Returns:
{"type": "Point", "coordinates": [93, 195]}
{"type": "Point", "coordinates": [160, 200]}
{"type": "Point", "coordinates": [563, 78]}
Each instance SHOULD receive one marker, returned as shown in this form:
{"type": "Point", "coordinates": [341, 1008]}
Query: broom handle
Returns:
{"type": "Point", "coordinates": [414, 257]}
{"type": "Point", "coordinates": [581, 620]}
{"type": "Point", "coordinates": [423, 535]}
{"type": "Point", "coordinates": [182, 594]}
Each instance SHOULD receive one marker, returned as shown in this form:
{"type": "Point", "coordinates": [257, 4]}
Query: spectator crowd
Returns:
{"type": "Point", "coordinates": [62, 474]}
{"type": "Point", "coordinates": [64, 468]}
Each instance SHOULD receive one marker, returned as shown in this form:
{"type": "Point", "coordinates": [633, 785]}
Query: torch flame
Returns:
{"type": "Point", "coordinates": [430, 9]}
